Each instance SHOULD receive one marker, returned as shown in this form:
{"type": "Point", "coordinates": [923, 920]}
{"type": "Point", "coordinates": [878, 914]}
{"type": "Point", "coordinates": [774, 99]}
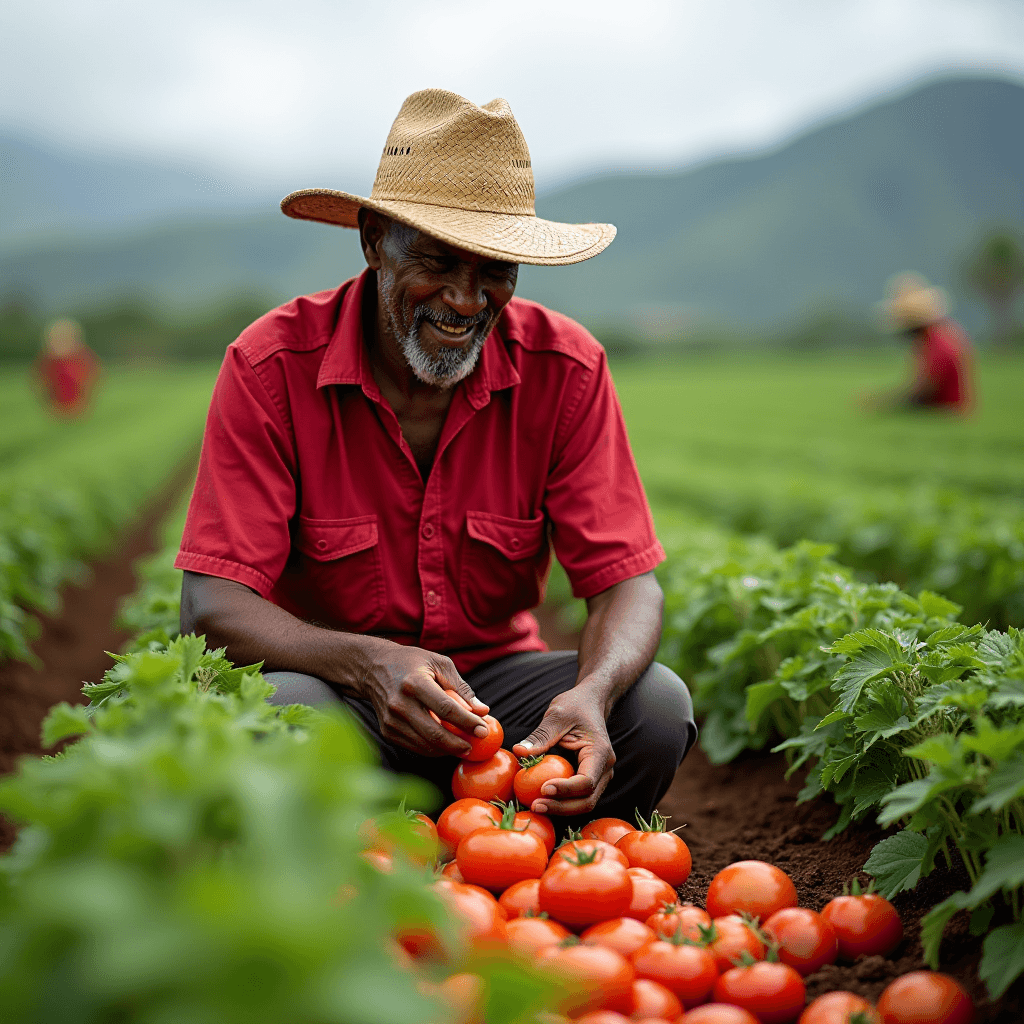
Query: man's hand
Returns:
{"type": "Point", "coordinates": [404, 685]}
{"type": "Point", "coordinates": [574, 720]}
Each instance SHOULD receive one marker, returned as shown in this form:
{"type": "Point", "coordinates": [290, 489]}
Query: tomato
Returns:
{"type": "Point", "coordinates": [529, 935]}
{"type": "Point", "coordinates": [865, 924]}
{"type": "Point", "coordinates": [623, 934]}
{"type": "Point", "coordinates": [589, 889]}
{"type": "Point", "coordinates": [409, 831]}
{"type": "Point", "coordinates": [458, 819]}
{"type": "Point", "coordinates": [475, 908]}
{"type": "Point", "coordinates": [466, 994]}
{"type": "Point", "coordinates": [675, 916]}
{"type": "Point", "coordinates": [603, 1017]}
{"type": "Point", "coordinates": [730, 938]}
{"type": "Point", "coordinates": [773, 993]}
{"type": "Point", "coordinates": [806, 940]}
{"type": "Point", "coordinates": [382, 861]}
{"type": "Point", "coordinates": [595, 977]}
{"type": "Point", "coordinates": [649, 894]}
{"type": "Point", "coordinates": [521, 897]}
{"type": "Point", "coordinates": [752, 887]}
{"type": "Point", "coordinates": [925, 996]}
{"type": "Point", "coordinates": [451, 870]}
{"type": "Point", "coordinates": [498, 856]}
{"type": "Point", "coordinates": [659, 851]}
{"type": "Point", "coordinates": [564, 853]}
{"type": "Point", "coordinates": [687, 971]}
{"type": "Point", "coordinates": [486, 780]}
{"type": "Point", "coordinates": [611, 830]}
{"type": "Point", "coordinates": [839, 1008]}
{"type": "Point", "coordinates": [652, 999]}
{"type": "Point", "coordinates": [539, 824]}
{"type": "Point", "coordinates": [480, 747]}
{"type": "Point", "coordinates": [535, 772]}
{"type": "Point", "coordinates": [718, 1013]}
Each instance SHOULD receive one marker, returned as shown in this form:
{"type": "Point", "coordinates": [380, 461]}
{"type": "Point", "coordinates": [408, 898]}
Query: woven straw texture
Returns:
{"type": "Point", "coordinates": [462, 174]}
{"type": "Point", "coordinates": [913, 303]}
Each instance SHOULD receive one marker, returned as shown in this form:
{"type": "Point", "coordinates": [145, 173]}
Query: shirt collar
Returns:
{"type": "Point", "coordinates": [347, 360]}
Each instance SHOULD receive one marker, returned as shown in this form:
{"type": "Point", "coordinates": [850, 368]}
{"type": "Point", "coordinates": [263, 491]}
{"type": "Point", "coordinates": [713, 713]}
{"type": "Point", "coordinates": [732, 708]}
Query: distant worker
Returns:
{"type": "Point", "coordinates": [67, 369]}
{"type": "Point", "coordinates": [942, 350]}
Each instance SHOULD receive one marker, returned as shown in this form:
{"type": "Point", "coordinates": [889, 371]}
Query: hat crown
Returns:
{"type": "Point", "coordinates": [446, 151]}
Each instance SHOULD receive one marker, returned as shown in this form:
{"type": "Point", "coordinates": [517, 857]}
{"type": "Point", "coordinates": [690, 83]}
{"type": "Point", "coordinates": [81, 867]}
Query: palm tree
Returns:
{"type": "Point", "coordinates": [996, 272]}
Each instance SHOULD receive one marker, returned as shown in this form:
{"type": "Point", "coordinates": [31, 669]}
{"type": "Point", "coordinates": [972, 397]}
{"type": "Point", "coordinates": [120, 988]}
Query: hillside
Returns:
{"type": "Point", "coordinates": [754, 241]}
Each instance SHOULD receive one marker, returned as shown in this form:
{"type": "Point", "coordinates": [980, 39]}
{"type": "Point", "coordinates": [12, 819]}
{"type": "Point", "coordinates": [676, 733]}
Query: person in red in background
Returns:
{"type": "Point", "coordinates": [941, 348]}
{"type": "Point", "coordinates": [67, 369]}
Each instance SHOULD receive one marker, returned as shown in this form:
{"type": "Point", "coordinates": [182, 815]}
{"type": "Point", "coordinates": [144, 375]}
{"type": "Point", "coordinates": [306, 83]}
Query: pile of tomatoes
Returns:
{"type": "Point", "coordinates": [600, 915]}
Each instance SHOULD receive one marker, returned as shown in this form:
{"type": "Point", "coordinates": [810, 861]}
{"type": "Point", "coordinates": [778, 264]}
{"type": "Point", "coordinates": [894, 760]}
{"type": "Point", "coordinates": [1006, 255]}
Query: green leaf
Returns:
{"type": "Point", "coordinates": [933, 924]}
{"type": "Point", "coordinates": [760, 696]}
{"type": "Point", "coordinates": [832, 717]}
{"type": "Point", "coordinates": [1004, 868]}
{"type": "Point", "coordinates": [1002, 959]}
{"type": "Point", "coordinates": [995, 743]}
{"type": "Point", "coordinates": [65, 720]}
{"type": "Point", "coordinates": [908, 798]}
{"type": "Point", "coordinates": [1005, 783]}
{"type": "Point", "coordinates": [937, 607]}
{"type": "Point", "coordinates": [896, 862]}
{"type": "Point", "coordinates": [941, 750]}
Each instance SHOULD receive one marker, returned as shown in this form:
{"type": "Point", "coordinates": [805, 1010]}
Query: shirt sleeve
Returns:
{"type": "Point", "coordinates": [245, 492]}
{"type": "Point", "coordinates": [601, 524]}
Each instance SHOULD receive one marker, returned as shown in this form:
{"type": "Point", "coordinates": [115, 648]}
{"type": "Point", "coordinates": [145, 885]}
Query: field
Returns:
{"type": "Point", "coordinates": [842, 588]}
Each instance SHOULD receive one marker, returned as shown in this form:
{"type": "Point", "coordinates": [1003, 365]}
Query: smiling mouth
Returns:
{"type": "Point", "coordinates": [457, 332]}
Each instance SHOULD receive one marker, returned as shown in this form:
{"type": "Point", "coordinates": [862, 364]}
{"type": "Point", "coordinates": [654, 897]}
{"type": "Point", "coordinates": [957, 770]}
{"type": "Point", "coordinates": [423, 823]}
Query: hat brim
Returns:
{"type": "Point", "coordinates": [916, 309]}
{"type": "Point", "coordinates": [498, 236]}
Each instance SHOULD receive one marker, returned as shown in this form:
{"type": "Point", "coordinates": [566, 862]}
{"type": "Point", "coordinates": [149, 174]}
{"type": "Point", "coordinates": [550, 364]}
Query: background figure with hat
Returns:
{"type": "Point", "coordinates": [66, 369]}
{"type": "Point", "coordinates": [941, 349]}
{"type": "Point", "coordinates": [388, 465]}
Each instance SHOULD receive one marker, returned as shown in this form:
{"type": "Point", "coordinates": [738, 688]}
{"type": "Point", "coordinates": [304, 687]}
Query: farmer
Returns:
{"type": "Point", "coordinates": [941, 349]}
{"type": "Point", "coordinates": [66, 369]}
{"type": "Point", "coordinates": [386, 466]}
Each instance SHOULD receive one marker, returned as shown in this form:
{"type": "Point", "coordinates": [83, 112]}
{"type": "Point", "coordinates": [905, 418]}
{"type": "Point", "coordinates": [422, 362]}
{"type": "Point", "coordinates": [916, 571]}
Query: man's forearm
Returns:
{"type": "Point", "coordinates": [620, 637]}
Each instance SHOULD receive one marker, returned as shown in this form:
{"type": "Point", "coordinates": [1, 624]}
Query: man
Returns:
{"type": "Point", "coordinates": [66, 369]}
{"type": "Point", "coordinates": [387, 464]}
{"type": "Point", "coordinates": [941, 349]}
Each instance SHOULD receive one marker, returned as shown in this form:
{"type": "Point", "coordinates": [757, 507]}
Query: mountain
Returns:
{"type": "Point", "coordinates": [757, 241]}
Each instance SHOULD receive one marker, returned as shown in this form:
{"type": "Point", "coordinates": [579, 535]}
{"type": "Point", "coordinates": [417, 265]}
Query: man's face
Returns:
{"type": "Point", "coordinates": [438, 302]}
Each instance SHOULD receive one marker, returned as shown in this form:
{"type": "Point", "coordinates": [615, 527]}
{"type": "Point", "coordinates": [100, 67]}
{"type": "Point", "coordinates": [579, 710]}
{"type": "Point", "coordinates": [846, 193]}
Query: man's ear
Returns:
{"type": "Point", "coordinates": [372, 228]}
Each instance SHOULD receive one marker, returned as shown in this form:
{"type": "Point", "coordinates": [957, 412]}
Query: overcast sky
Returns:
{"type": "Point", "coordinates": [303, 93]}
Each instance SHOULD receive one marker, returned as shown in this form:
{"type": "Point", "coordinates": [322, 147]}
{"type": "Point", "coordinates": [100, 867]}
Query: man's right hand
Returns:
{"type": "Point", "coordinates": [405, 684]}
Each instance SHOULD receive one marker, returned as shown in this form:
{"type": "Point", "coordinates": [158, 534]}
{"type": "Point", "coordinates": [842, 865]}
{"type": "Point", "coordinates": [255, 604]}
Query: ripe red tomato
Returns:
{"type": "Point", "coordinates": [486, 780]}
{"type": "Point", "coordinates": [540, 824]}
{"type": "Point", "coordinates": [839, 1008]}
{"type": "Point", "coordinates": [565, 852]}
{"type": "Point", "coordinates": [652, 999]}
{"type": "Point", "coordinates": [605, 1017]}
{"type": "Point", "coordinates": [730, 938]}
{"type": "Point", "coordinates": [529, 935]}
{"type": "Point", "coordinates": [925, 996]}
{"type": "Point", "coordinates": [623, 934]}
{"type": "Point", "coordinates": [684, 918]}
{"type": "Point", "coordinates": [610, 830]}
{"type": "Point", "coordinates": [595, 977]}
{"type": "Point", "coordinates": [589, 889]}
{"type": "Point", "coordinates": [483, 919]}
{"type": "Point", "coordinates": [465, 993]}
{"type": "Point", "coordinates": [521, 897]}
{"type": "Point", "coordinates": [535, 772]}
{"type": "Point", "coordinates": [458, 819]}
{"type": "Point", "coordinates": [451, 870]}
{"type": "Point", "coordinates": [687, 971]}
{"type": "Point", "coordinates": [649, 894]}
{"type": "Point", "coordinates": [865, 924]}
{"type": "Point", "coordinates": [480, 747]}
{"type": "Point", "coordinates": [659, 851]}
{"type": "Point", "coordinates": [718, 1013]}
{"type": "Point", "coordinates": [774, 993]}
{"type": "Point", "coordinates": [409, 831]}
{"type": "Point", "coordinates": [806, 940]}
{"type": "Point", "coordinates": [498, 856]}
{"type": "Point", "coordinates": [752, 887]}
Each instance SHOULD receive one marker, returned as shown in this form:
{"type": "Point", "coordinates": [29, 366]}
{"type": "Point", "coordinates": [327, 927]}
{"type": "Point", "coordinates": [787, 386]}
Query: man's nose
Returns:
{"type": "Point", "coordinates": [465, 294]}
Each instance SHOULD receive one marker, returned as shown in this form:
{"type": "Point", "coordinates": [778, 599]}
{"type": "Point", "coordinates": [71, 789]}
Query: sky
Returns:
{"type": "Point", "coordinates": [302, 94]}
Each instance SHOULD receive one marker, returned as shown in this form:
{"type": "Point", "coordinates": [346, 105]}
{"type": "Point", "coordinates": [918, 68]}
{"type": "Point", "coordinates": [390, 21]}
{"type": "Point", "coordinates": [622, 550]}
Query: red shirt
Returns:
{"type": "Point", "coordinates": [308, 493]}
{"type": "Point", "coordinates": [68, 379]}
{"type": "Point", "coordinates": [943, 365]}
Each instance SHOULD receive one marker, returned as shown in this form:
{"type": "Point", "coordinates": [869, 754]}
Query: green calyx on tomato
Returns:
{"type": "Point", "coordinates": [579, 858]}
{"type": "Point", "coordinates": [658, 823]}
{"type": "Point", "coordinates": [531, 761]}
{"type": "Point", "coordinates": [508, 816]}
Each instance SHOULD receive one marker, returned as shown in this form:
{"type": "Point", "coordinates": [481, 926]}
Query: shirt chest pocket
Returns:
{"type": "Point", "coordinates": [504, 562]}
{"type": "Point", "coordinates": [343, 571]}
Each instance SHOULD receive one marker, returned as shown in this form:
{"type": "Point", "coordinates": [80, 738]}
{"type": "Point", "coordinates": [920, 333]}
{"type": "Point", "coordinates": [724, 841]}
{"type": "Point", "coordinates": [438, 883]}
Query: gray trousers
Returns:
{"type": "Point", "coordinates": [651, 727]}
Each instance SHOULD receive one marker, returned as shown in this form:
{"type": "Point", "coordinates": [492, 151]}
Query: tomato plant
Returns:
{"type": "Point", "coordinates": [499, 855]}
{"type": "Point", "coordinates": [805, 939]}
{"type": "Point", "coordinates": [535, 771]}
{"type": "Point", "coordinates": [650, 894]}
{"type": "Point", "coordinates": [587, 889]}
{"type": "Point", "coordinates": [752, 887]}
{"type": "Point", "coordinates": [568, 848]}
{"type": "Point", "coordinates": [595, 977]}
{"type": "Point", "coordinates": [730, 937]}
{"type": "Point", "coordinates": [529, 935]}
{"type": "Point", "coordinates": [480, 747]}
{"type": "Point", "coordinates": [521, 897]}
{"type": "Point", "coordinates": [623, 934]}
{"type": "Point", "coordinates": [865, 923]}
{"type": "Point", "coordinates": [925, 996]}
{"type": "Point", "coordinates": [486, 780]}
{"type": "Point", "coordinates": [460, 818]}
{"type": "Point", "coordinates": [652, 999]}
{"type": "Point", "coordinates": [675, 917]}
{"type": "Point", "coordinates": [610, 830]}
{"type": "Point", "coordinates": [839, 1008]}
{"type": "Point", "coordinates": [659, 851]}
{"type": "Point", "coordinates": [774, 993]}
{"type": "Point", "coordinates": [687, 971]}
{"type": "Point", "coordinates": [718, 1013]}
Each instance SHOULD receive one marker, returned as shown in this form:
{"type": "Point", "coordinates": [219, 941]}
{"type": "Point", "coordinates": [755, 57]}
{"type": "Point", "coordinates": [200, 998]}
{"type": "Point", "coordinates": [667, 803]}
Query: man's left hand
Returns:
{"type": "Point", "coordinates": [574, 720]}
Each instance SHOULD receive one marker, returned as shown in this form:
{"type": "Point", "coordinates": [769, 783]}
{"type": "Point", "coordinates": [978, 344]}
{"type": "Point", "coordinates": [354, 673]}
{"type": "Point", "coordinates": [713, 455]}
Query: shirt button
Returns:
{"type": "Point", "coordinates": [428, 531]}
{"type": "Point", "coordinates": [515, 542]}
{"type": "Point", "coordinates": [432, 598]}
{"type": "Point", "coordinates": [322, 545]}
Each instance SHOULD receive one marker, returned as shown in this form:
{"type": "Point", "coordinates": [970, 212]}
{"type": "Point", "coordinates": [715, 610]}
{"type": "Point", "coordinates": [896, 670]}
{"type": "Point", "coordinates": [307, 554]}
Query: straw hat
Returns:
{"type": "Point", "coordinates": [912, 303]}
{"type": "Point", "coordinates": [461, 173]}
